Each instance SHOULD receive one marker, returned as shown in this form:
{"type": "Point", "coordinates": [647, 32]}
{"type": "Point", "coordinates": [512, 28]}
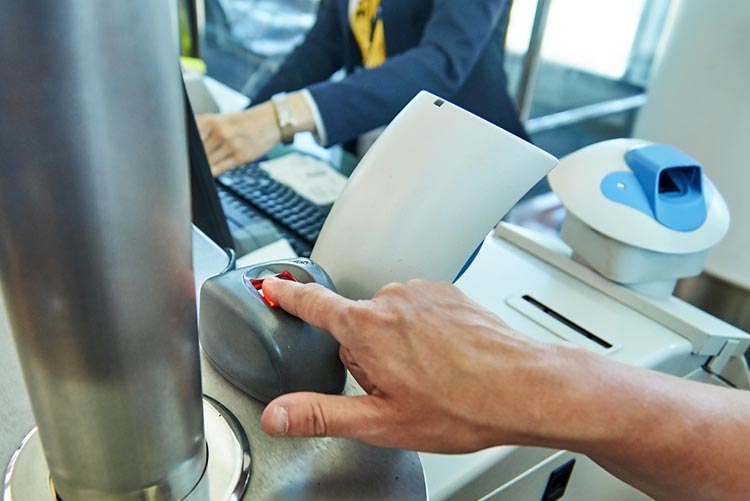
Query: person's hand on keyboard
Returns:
{"type": "Point", "coordinates": [235, 139]}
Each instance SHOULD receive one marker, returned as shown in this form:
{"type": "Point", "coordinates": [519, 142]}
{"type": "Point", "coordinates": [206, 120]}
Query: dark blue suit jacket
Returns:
{"type": "Point", "coordinates": [452, 48]}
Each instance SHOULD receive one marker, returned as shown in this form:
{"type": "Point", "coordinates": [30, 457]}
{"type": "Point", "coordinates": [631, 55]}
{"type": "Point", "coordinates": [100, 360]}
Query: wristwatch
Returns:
{"type": "Point", "coordinates": [284, 117]}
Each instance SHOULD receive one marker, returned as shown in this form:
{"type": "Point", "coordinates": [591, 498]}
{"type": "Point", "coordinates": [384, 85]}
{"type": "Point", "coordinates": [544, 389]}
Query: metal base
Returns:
{"type": "Point", "coordinates": [225, 478]}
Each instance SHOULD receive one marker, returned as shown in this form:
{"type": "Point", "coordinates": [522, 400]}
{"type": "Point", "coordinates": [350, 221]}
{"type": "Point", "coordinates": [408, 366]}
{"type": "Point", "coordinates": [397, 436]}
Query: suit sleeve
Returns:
{"type": "Point", "coordinates": [314, 60]}
{"type": "Point", "coordinates": [453, 40]}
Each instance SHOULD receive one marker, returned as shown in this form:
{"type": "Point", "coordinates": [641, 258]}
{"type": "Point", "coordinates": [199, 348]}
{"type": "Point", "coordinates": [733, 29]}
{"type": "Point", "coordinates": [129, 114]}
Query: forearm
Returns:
{"type": "Point", "coordinates": [671, 438]}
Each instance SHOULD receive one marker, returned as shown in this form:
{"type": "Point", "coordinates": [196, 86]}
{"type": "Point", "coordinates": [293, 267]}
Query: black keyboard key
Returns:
{"type": "Point", "coordinates": [298, 219]}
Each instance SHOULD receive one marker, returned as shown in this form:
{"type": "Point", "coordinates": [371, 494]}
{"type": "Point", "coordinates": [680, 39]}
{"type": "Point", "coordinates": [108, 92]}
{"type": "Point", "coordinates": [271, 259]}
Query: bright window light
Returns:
{"type": "Point", "coordinates": [591, 35]}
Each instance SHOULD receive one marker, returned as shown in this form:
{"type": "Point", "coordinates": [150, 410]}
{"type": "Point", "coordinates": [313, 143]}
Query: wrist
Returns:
{"type": "Point", "coordinates": [595, 405]}
{"type": "Point", "coordinates": [302, 113]}
{"type": "Point", "coordinates": [270, 130]}
{"type": "Point", "coordinates": [576, 402]}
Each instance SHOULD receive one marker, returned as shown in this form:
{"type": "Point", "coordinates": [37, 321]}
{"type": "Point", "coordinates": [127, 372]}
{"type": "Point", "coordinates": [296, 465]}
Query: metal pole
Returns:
{"type": "Point", "coordinates": [194, 22]}
{"type": "Point", "coordinates": [95, 256]}
{"type": "Point", "coordinates": [583, 113]}
{"type": "Point", "coordinates": [199, 26]}
{"type": "Point", "coordinates": [531, 60]}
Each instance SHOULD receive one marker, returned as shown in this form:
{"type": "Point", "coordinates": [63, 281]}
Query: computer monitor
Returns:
{"type": "Point", "coordinates": [207, 212]}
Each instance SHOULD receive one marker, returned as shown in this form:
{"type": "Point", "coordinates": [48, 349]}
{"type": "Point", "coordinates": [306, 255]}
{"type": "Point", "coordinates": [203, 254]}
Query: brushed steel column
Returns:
{"type": "Point", "coordinates": [95, 256]}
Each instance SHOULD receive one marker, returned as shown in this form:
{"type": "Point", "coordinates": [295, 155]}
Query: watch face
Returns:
{"type": "Point", "coordinates": [287, 133]}
{"type": "Point", "coordinates": [284, 118]}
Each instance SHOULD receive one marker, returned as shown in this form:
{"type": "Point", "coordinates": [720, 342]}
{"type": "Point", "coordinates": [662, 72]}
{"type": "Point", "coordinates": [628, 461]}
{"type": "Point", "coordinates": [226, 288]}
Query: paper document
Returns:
{"type": "Point", "coordinates": [311, 178]}
{"type": "Point", "coordinates": [279, 249]}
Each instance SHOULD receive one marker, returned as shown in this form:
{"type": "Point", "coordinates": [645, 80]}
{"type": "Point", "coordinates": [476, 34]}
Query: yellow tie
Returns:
{"type": "Point", "coordinates": [367, 26]}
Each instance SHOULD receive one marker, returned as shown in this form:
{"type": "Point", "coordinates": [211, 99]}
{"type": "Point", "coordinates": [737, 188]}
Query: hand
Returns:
{"type": "Point", "coordinates": [444, 375]}
{"type": "Point", "coordinates": [441, 373]}
{"type": "Point", "coordinates": [238, 138]}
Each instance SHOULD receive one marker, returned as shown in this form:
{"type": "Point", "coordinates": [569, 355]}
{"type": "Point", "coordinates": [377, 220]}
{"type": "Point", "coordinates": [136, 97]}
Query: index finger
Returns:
{"type": "Point", "coordinates": [313, 303]}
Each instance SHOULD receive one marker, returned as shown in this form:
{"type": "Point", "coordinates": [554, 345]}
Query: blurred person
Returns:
{"type": "Point", "coordinates": [390, 50]}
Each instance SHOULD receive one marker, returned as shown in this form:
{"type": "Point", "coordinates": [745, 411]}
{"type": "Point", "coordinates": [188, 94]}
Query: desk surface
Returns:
{"type": "Point", "coordinates": [297, 468]}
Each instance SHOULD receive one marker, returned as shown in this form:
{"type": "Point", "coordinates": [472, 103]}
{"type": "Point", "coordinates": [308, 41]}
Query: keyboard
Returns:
{"type": "Point", "coordinates": [260, 210]}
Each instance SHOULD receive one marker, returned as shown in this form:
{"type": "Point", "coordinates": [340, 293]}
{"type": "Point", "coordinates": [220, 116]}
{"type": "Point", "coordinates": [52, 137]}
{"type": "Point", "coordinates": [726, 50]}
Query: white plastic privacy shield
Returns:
{"type": "Point", "coordinates": [423, 197]}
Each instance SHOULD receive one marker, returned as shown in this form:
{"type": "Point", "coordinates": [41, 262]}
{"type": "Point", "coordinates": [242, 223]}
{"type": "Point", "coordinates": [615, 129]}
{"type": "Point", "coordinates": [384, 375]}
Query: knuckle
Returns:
{"type": "Point", "coordinates": [309, 298]}
{"type": "Point", "coordinates": [349, 314]}
{"type": "Point", "coordinates": [316, 423]}
{"type": "Point", "coordinates": [393, 288]}
{"type": "Point", "coordinates": [345, 355]}
{"type": "Point", "coordinates": [221, 131]}
{"type": "Point", "coordinates": [358, 313]}
{"type": "Point", "coordinates": [316, 287]}
{"type": "Point", "coordinates": [417, 282]}
{"type": "Point", "coordinates": [368, 314]}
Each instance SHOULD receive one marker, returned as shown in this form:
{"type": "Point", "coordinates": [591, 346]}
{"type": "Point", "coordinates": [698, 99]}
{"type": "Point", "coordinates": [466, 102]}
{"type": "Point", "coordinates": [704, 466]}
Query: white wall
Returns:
{"type": "Point", "coordinates": [699, 101]}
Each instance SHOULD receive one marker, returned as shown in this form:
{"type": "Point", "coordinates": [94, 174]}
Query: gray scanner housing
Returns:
{"type": "Point", "coordinates": [265, 351]}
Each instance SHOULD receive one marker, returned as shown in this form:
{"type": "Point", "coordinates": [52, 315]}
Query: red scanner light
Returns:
{"type": "Point", "coordinates": [257, 283]}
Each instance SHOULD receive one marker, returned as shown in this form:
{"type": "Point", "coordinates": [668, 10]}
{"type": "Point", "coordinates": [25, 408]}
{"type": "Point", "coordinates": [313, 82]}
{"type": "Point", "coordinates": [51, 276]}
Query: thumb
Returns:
{"type": "Point", "coordinates": [320, 415]}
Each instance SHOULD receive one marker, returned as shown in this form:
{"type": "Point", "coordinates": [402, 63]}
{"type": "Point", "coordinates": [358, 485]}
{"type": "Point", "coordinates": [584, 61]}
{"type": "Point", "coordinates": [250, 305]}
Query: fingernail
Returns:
{"type": "Point", "coordinates": [279, 422]}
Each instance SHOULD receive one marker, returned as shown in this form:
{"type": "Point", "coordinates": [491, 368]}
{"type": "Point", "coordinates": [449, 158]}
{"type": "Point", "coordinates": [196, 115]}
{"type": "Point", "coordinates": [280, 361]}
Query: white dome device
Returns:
{"type": "Point", "coordinates": [641, 214]}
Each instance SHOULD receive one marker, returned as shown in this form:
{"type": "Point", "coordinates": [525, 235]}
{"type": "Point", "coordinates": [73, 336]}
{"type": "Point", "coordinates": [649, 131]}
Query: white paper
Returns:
{"type": "Point", "coordinates": [280, 249]}
{"type": "Point", "coordinates": [313, 179]}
